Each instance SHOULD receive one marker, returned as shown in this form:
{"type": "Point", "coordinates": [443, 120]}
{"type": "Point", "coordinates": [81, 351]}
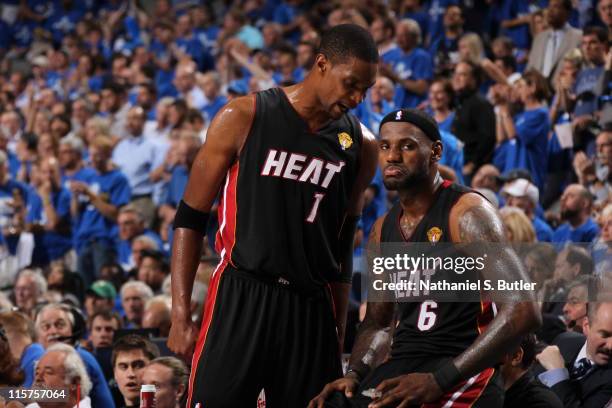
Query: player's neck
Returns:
{"type": "Point", "coordinates": [307, 105]}
{"type": "Point", "coordinates": [417, 199]}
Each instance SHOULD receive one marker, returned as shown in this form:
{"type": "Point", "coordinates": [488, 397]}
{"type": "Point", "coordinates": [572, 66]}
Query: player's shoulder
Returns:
{"type": "Point", "coordinates": [240, 110]}
{"type": "Point", "coordinates": [474, 218]}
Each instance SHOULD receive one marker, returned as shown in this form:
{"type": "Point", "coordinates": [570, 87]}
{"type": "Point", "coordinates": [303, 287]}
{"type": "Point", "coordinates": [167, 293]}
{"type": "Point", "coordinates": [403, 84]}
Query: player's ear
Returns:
{"type": "Point", "coordinates": [322, 63]}
{"type": "Point", "coordinates": [436, 151]}
{"type": "Point", "coordinates": [517, 358]}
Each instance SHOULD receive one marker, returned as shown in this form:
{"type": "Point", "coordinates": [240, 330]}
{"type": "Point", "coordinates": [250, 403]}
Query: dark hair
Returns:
{"type": "Point", "coordinates": [508, 61]}
{"type": "Point", "coordinates": [577, 255]}
{"type": "Point", "coordinates": [567, 5]}
{"type": "Point", "coordinates": [106, 315]}
{"type": "Point", "coordinates": [10, 372]}
{"type": "Point", "coordinates": [388, 24]}
{"type": "Point", "coordinates": [476, 71]}
{"type": "Point", "coordinates": [528, 344]}
{"type": "Point", "coordinates": [114, 87]}
{"type": "Point", "coordinates": [157, 256]}
{"type": "Point", "coordinates": [132, 342]}
{"type": "Point", "coordinates": [448, 88]}
{"type": "Point", "coordinates": [287, 49]}
{"type": "Point", "coordinates": [348, 41]}
{"type": "Point", "coordinates": [533, 77]}
{"type": "Point", "coordinates": [599, 32]}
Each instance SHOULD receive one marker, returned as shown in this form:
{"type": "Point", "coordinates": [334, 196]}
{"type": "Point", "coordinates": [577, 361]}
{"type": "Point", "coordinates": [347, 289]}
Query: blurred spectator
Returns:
{"type": "Point", "coordinates": [596, 175]}
{"type": "Point", "coordinates": [576, 205]}
{"type": "Point", "coordinates": [523, 194]}
{"type": "Point", "coordinates": [377, 103]}
{"type": "Point", "coordinates": [575, 308]}
{"type": "Point", "coordinates": [95, 205]}
{"type": "Point", "coordinates": [153, 269]}
{"type": "Point", "coordinates": [10, 373]}
{"type": "Point", "coordinates": [139, 244]}
{"type": "Point", "coordinates": [185, 83]}
{"type": "Point", "coordinates": [522, 389]}
{"type": "Point", "coordinates": [131, 353]}
{"type": "Point", "coordinates": [445, 50]}
{"type": "Point", "coordinates": [20, 334]}
{"type": "Point", "coordinates": [604, 8]}
{"type": "Point", "coordinates": [602, 248]}
{"type": "Point", "coordinates": [131, 224]}
{"type": "Point", "coordinates": [518, 226]}
{"type": "Point", "coordinates": [487, 177]}
{"type": "Point", "coordinates": [157, 315]}
{"type": "Point", "coordinates": [114, 106]}
{"type": "Point", "coordinates": [412, 68]}
{"type": "Point", "coordinates": [30, 286]}
{"type": "Point", "coordinates": [170, 377]}
{"type": "Point", "coordinates": [474, 122]}
{"type": "Point", "coordinates": [441, 98]}
{"type": "Point", "coordinates": [550, 46]}
{"type": "Point", "coordinates": [61, 367]}
{"type": "Point", "coordinates": [100, 297]}
{"type": "Point", "coordinates": [383, 33]}
{"type": "Point", "coordinates": [59, 323]}
{"type": "Point", "coordinates": [134, 295]}
{"type": "Point", "coordinates": [102, 328]}
{"type": "Point", "coordinates": [210, 83]}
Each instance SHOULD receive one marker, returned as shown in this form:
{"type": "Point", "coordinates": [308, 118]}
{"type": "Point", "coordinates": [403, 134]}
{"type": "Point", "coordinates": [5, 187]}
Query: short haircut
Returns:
{"type": "Point", "coordinates": [106, 315]}
{"type": "Point", "coordinates": [577, 255]}
{"type": "Point", "coordinates": [17, 322]}
{"type": "Point", "coordinates": [145, 291]}
{"type": "Point", "coordinates": [413, 27]}
{"type": "Point", "coordinates": [132, 342]}
{"type": "Point", "coordinates": [158, 256]}
{"type": "Point", "coordinates": [180, 373]}
{"type": "Point", "coordinates": [599, 32]}
{"type": "Point", "coordinates": [346, 41]}
{"type": "Point", "coordinates": [73, 366]}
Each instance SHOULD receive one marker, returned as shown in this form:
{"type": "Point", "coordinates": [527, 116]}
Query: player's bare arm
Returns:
{"type": "Point", "coordinates": [340, 289]}
{"type": "Point", "coordinates": [377, 321]}
{"type": "Point", "coordinates": [472, 219]}
{"type": "Point", "coordinates": [226, 136]}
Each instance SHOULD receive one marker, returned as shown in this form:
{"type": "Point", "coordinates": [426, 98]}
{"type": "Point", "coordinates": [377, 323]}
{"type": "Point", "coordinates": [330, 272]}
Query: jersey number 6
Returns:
{"type": "Point", "coordinates": [315, 207]}
{"type": "Point", "coordinates": [427, 317]}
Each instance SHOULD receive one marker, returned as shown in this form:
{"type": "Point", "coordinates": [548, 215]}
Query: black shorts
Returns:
{"type": "Point", "coordinates": [258, 334]}
{"type": "Point", "coordinates": [484, 390]}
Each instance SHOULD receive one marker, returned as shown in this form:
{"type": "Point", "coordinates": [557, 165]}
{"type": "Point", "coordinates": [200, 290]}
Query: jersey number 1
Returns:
{"type": "Point", "coordinates": [427, 316]}
{"type": "Point", "coordinates": [315, 207]}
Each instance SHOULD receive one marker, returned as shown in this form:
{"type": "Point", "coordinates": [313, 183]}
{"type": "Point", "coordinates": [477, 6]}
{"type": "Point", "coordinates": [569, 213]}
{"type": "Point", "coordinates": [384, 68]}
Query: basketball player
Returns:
{"type": "Point", "coordinates": [295, 165]}
{"type": "Point", "coordinates": [446, 359]}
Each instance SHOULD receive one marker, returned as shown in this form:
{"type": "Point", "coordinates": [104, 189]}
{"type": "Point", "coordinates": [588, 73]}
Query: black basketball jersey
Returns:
{"type": "Point", "coordinates": [434, 328]}
{"type": "Point", "coordinates": [285, 198]}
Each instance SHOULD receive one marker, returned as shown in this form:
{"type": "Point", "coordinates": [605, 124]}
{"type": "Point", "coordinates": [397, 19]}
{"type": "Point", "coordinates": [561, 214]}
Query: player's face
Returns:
{"type": "Point", "coordinates": [599, 335]}
{"type": "Point", "coordinates": [343, 85]}
{"type": "Point", "coordinates": [404, 154]}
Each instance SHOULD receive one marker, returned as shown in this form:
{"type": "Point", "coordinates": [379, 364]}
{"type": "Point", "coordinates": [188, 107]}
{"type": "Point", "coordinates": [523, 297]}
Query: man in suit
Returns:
{"type": "Point", "coordinates": [551, 45]}
{"type": "Point", "coordinates": [578, 368]}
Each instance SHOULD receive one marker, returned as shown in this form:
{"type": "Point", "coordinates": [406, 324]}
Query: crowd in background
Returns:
{"type": "Point", "coordinates": [105, 104]}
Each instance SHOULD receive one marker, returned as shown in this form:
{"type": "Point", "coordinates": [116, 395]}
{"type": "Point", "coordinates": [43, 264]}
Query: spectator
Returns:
{"type": "Point", "coordinates": [487, 177]}
{"type": "Point", "coordinates": [575, 308]}
{"type": "Point", "coordinates": [114, 106]}
{"type": "Point", "coordinates": [604, 8]}
{"type": "Point", "coordinates": [157, 315]}
{"type": "Point", "coordinates": [100, 297]}
{"type": "Point", "coordinates": [139, 244]}
{"type": "Point", "coordinates": [521, 193]}
{"type": "Point", "coordinates": [170, 377]}
{"type": "Point", "coordinates": [518, 226]}
{"type": "Point", "coordinates": [134, 295]}
{"type": "Point", "coordinates": [10, 374]}
{"type": "Point", "coordinates": [210, 83]}
{"type": "Point", "coordinates": [522, 390]}
{"type": "Point", "coordinates": [70, 157]}
{"type": "Point", "coordinates": [185, 83]}
{"type": "Point", "coordinates": [153, 269]}
{"type": "Point", "coordinates": [383, 33]}
{"type": "Point", "coordinates": [441, 97]}
{"type": "Point", "coordinates": [102, 328]}
{"type": "Point", "coordinates": [159, 130]}
{"type": "Point", "coordinates": [130, 356]}
{"type": "Point", "coordinates": [378, 102]}
{"type": "Point", "coordinates": [602, 249]}
{"type": "Point", "coordinates": [596, 175]}
{"type": "Point", "coordinates": [576, 205]}
{"type": "Point", "coordinates": [445, 50]}
{"type": "Point", "coordinates": [136, 157]}
{"type": "Point", "coordinates": [474, 122]}
{"type": "Point", "coordinates": [587, 380]}
{"type": "Point", "coordinates": [524, 138]}
{"type": "Point", "coordinates": [30, 286]}
{"type": "Point", "coordinates": [131, 224]}
{"type": "Point", "coordinates": [550, 46]}
{"type": "Point", "coordinates": [61, 367]}
{"type": "Point", "coordinates": [412, 69]}
{"type": "Point", "coordinates": [57, 323]}
{"type": "Point", "coordinates": [20, 334]}
{"type": "Point", "coordinates": [95, 205]}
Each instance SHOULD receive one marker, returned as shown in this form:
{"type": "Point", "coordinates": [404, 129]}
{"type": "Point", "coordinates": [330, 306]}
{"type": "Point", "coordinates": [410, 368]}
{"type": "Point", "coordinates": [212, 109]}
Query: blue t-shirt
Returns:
{"type": "Point", "coordinates": [31, 354]}
{"type": "Point", "coordinates": [90, 223]}
{"type": "Point", "coordinates": [391, 55]}
{"type": "Point", "coordinates": [452, 154]}
{"type": "Point", "coordinates": [414, 65]}
{"type": "Point", "coordinates": [210, 110]}
{"type": "Point", "coordinates": [585, 89]}
{"type": "Point", "coordinates": [528, 150]}
{"type": "Point", "coordinates": [51, 245]}
{"type": "Point", "coordinates": [177, 185]}
{"type": "Point", "coordinates": [543, 231]}
{"type": "Point", "coordinates": [586, 232]}
{"type": "Point", "coordinates": [436, 9]}
{"type": "Point", "coordinates": [511, 9]}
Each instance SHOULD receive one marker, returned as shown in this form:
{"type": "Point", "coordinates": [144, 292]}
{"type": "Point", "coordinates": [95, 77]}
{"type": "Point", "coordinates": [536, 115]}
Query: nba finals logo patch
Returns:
{"type": "Point", "coordinates": [434, 234]}
{"type": "Point", "coordinates": [345, 140]}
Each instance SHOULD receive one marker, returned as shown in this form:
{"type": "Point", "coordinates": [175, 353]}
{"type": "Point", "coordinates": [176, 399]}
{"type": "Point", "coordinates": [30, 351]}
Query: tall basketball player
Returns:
{"type": "Point", "coordinates": [293, 165]}
{"type": "Point", "coordinates": [443, 354]}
